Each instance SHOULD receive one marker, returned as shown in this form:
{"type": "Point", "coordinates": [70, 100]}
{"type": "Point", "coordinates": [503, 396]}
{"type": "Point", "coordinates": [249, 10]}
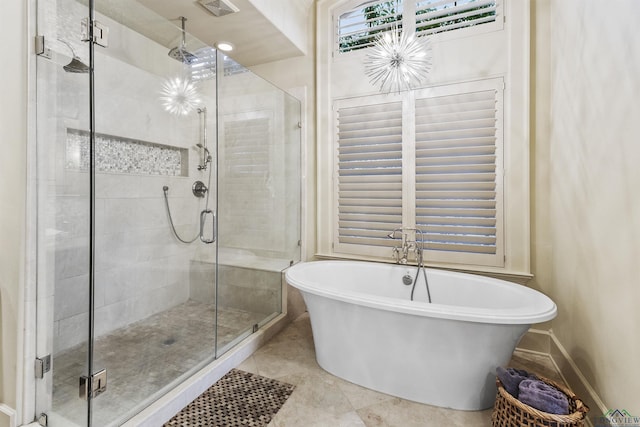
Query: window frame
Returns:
{"type": "Point", "coordinates": [408, 22]}
{"type": "Point", "coordinates": [341, 76]}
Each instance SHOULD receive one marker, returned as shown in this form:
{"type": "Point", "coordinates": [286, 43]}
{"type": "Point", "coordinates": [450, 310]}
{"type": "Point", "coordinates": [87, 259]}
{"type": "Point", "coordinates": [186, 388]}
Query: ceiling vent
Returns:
{"type": "Point", "coordinates": [219, 7]}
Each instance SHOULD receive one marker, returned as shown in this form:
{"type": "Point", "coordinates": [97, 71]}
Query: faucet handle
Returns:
{"type": "Point", "coordinates": [396, 253]}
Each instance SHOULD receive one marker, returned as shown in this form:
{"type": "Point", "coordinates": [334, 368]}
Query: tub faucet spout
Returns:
{"type": "Point", "coordinates": [399, 253]}
{"type": "Point", "coordinates": [410, 245]}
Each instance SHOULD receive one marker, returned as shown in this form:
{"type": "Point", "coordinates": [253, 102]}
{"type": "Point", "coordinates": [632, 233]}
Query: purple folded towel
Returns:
{"type": "Point", "coordinates": [543, 397]}
{"type": "Point", "coordinates": [511, 378]}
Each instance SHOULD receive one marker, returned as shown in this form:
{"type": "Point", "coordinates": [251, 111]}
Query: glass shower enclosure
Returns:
{"type": "Point", "coordinates": [168, 206]}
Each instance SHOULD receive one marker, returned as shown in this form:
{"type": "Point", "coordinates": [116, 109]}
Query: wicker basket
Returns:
{"type": "Point", "coordinates": [510, 412]}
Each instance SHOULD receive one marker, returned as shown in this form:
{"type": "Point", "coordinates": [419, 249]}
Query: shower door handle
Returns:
{"type": "Point", "coordinates": [203, 221]}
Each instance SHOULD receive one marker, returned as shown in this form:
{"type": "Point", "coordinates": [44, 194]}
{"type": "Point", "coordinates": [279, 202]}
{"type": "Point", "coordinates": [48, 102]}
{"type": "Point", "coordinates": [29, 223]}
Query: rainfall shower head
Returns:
{"type": "Point", "coordinates": [219, 7]}
{"type": "Point", "coordinates": [180, 52]}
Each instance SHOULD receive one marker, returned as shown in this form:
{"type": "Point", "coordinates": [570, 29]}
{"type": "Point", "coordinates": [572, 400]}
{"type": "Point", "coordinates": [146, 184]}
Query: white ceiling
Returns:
{"type": "Point", "coordinates": [256, 39]}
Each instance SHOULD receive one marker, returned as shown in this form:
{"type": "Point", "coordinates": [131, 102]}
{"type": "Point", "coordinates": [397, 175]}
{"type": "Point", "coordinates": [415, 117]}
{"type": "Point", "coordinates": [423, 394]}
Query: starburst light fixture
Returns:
{"type": "Point", "coordinates": [398, 61]}
{"type": "Point", "coordinates": [179, 96]}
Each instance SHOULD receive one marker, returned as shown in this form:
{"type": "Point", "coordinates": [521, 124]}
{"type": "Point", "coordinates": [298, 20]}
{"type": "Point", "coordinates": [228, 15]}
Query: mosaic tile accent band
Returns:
{"type": "Point", "coordinates": [123, 155]}
{"type": "Point", "coordinates": [239, 399]}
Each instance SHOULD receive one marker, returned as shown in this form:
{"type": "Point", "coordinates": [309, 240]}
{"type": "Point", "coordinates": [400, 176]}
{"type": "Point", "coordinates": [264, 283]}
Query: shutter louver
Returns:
{"type": "Point", "coordinates": [369, 173]}
{"type": "Point", "coordinates": [438, 16]}
{"type": "Point", "coordinates": [456, 204]}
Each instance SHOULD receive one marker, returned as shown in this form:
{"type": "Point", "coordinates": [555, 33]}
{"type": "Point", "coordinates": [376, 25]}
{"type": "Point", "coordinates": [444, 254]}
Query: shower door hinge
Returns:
{"type": "Point", "coordinates": [41, 49]}
{"type": "Point", "coordinates": [43, 365]}
{"type": "Point", "coordinates": [94, 385]}
{"type": "Point", "coordinates": [43, 420]}
{"type": "Point", "coordinates": [100, 32]}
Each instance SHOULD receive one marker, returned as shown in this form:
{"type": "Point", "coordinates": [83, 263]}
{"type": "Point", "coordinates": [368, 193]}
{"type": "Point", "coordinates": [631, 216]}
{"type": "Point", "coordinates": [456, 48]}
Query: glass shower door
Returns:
{"type": "Point", "coordinates": [63, 193]}
{"type": "Point", "coordinates": [159, 247]}
{"type": "Point", "coordinates": [155, 104]}
{"type": "Point", "coordinates": [258, 199]}
{"type": "Point", "coordinates": [126, 188]}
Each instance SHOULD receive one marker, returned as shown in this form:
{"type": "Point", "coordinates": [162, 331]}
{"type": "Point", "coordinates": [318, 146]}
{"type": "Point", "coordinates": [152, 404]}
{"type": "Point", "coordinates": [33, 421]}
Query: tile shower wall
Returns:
{"type": "Point", "coordinates": [259, 172]}
{"type": "Point", "coordinates": [122, 155]}
{"type": "Point", "coordinates": [254, 288]}
{"type": "Point", "coordinates": [141, 268]}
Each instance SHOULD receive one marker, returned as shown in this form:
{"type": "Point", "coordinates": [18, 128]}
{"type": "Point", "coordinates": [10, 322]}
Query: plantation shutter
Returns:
{"type": "Point", "coordinates": [458, 188]}
{"type": "Point", "coordinates": [368, 176]}
{"type": "Point", "coordinates": [431, 160]}
{"type": "Point", "coordinates": [437, 16]}
{"type": "Point", "coordinates": [358, 28]}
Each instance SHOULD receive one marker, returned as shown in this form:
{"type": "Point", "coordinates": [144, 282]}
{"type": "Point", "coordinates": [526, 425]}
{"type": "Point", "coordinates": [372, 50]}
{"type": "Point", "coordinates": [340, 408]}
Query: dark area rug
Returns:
{"type": "Point", "coordinates": [238, 399]}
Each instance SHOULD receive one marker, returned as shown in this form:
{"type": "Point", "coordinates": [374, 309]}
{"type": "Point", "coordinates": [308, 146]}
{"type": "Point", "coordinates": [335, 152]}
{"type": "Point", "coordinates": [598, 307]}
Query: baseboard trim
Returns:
{"type": "Point", "coordinates": [7, 416]}
{"type": "Point", "coordinates": [545, 342]}
{"type": "Point", "coordinates": [575, 378]}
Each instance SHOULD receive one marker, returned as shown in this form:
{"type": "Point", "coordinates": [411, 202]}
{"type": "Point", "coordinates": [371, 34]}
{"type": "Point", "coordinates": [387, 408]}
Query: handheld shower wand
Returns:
{"type": "Point", "coordinates": [206, 157]}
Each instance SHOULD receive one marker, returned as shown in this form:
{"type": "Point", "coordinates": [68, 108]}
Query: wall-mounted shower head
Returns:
{"type": "Point", "coordinates": [76, 65]}
{"type": "Point", "coordinates": [180, 52]}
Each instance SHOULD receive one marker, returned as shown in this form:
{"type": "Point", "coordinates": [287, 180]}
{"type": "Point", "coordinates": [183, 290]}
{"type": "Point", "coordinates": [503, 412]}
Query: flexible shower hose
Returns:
{"type": "Point", "coordinates": [424, 272]}
{"type": "Point", "coordinates": [165, 189]}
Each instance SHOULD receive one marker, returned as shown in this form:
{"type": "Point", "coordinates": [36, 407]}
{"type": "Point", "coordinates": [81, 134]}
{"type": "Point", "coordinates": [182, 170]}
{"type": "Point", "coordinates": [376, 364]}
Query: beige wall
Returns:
{"type": "Point", "coordinates": [586, 210]}
{"type": "Point", "coordinates": [13, 141]}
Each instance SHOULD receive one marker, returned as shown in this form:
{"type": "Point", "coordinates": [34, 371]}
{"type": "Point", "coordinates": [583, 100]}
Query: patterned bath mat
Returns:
{"type": "Point", "coordinates": [239, 399]}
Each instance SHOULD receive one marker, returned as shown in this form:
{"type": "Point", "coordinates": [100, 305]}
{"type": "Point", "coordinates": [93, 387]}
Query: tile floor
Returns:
{"type": "Point", "coordinates": [143, 358]}
{"type": "Point", "coordinates": [323, 400]}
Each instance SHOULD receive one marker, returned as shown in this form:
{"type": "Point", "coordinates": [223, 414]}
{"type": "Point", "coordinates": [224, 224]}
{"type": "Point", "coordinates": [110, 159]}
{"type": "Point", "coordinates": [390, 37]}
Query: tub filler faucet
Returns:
{"type": "Point", "coordinates": [410, 245]}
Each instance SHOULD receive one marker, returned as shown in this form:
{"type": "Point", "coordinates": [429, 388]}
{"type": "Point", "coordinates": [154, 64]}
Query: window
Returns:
{"type": "Point", "coordinates": [359, 27]}
{"type": "Point", "coordinates": [450, 158]}
{"type": "Point", "coordinates": [438, 16]}
{"type": "Point", "coordinates": [446, 142]}
{"type": "Point", "coordinates": [369, 172]}
{"type": "Point", "coordinates": [458, 189]}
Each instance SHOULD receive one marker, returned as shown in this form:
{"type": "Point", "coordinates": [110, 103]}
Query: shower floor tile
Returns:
{"type": "Point", "coordinates": [143, 358]}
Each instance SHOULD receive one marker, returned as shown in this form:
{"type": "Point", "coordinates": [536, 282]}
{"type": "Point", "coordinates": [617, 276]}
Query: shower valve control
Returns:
{"type": "Point", "coordinates": [199, 189]}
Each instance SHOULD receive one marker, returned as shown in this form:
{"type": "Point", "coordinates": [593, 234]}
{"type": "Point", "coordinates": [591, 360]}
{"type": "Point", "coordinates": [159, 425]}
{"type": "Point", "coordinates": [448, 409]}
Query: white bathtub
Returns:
{"type": "Point", "coordinates": [367, 331]}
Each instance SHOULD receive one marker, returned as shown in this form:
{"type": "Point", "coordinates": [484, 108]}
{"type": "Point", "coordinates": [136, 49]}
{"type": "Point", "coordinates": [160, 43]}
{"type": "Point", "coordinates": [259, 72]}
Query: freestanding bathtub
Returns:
{"type": "Point", "coordinates": [367, 331]}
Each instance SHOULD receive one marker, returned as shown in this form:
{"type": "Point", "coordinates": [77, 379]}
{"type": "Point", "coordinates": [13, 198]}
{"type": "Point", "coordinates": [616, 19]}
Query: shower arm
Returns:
{"type": "Point", "coordinates": [184, 43]}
